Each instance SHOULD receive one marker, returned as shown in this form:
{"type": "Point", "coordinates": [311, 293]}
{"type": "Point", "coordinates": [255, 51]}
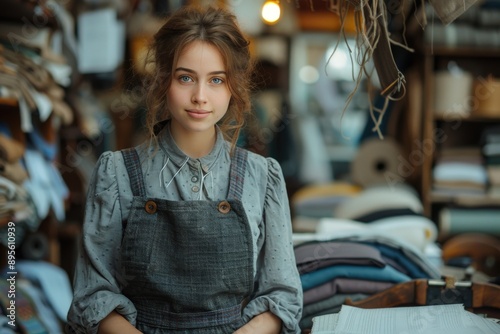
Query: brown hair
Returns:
{"type": "Point", "coordinates": [218, 27]}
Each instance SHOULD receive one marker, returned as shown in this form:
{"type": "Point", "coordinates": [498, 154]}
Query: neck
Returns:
{"type": "Point", "coordinates": [194, 144]}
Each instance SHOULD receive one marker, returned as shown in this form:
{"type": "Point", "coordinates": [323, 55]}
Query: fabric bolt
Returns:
{"type": "Point", "coordinates": [402, 259]}
{"type": "Point", "coordinates": [321, 276]}
{"type": "Point", "coordinates": [403, 250]}
{"type": "Point", "coordinates": [169, 177]}
{"type": "Point", "coordinates": [344, 286]}
{"type": "Point", "coordinates": [316, 255]}
{"type": "Point", "coordinates": [378, 198]}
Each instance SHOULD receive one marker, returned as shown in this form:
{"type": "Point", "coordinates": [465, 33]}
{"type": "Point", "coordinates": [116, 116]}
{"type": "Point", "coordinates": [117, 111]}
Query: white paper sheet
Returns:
{"type": "Point", "coordinates": [442, 319]}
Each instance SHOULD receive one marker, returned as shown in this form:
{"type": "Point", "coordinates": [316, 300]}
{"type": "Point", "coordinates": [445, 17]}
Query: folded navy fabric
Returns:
{"type": "Point", "coordinates": [316, 255]}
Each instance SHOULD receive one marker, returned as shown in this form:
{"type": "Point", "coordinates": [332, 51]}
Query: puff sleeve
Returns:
{"type": "Point", "coordinates": [278, 287]}
{"type": "Point", "coordinates": [96, 283]}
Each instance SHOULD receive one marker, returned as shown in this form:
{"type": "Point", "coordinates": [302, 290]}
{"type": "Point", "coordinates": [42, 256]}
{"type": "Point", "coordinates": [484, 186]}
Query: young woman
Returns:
{"type": "Point", "coordinates": [188, 233]}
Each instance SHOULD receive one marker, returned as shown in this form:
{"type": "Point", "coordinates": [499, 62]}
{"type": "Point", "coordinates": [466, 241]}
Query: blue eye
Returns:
{"type": "Point", "coordinates": [185, 78]}
{"type": "Point", "coordinates": [217, 81]}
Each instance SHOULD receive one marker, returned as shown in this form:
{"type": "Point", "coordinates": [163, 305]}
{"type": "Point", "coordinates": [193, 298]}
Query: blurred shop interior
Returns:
{"type": "Point", "coordinates": [383, 124]}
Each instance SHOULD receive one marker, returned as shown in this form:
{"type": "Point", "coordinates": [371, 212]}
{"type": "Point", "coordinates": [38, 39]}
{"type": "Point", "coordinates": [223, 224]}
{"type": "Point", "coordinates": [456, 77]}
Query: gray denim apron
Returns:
{"type": "Point", "coordinates": [187, 264]}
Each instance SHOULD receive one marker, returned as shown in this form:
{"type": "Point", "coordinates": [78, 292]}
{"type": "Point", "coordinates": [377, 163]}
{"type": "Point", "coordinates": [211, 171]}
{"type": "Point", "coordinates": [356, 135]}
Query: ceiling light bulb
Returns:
{"type": "Point", "coordinates": [271, 12]}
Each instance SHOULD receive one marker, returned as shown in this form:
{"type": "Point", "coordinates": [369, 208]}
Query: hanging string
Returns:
{"type": "Point", "coordinates": [173, 177]}
{"type": "Point", "coordinates": [203, 176]}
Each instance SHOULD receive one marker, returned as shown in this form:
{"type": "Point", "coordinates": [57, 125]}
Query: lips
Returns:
{"type": "Point", "coordinates": [194, 113]}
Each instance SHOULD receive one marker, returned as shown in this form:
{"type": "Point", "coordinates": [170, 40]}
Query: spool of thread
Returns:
{"type": "Point", "coordinates": [376, 163]}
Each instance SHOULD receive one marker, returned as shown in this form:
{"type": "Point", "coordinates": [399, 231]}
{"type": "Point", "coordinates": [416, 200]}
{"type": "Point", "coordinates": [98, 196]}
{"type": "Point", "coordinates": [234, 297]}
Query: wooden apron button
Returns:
{"type": "Point", "coordinates": [224, 207]}
{"type": "Point", "coordinates": [150, 207]}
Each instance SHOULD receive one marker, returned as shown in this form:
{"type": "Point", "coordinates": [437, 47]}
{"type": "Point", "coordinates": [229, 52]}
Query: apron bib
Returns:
{"type": "Point", "coordinates": [188, 265]}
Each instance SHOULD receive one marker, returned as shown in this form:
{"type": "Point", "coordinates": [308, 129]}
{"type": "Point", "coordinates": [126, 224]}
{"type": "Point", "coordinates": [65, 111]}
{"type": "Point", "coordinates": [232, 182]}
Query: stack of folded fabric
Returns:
{"type": "Point", "coordinates": [387, 210]}
{"type": "Point", "coordinates": [354, 266]}
{"type": "Point", "coordinates": [460, 170]}
{"type": "Point", "coordinates": [478, 26]}
{"type": "Point", "coordinates": [313, 202]}
{"type": "Point", "coordinates": [491, 152]}
{"type": "Point", "coordinates": [34, 76]}
{"type": "Point", "coordinates": [376, 239]}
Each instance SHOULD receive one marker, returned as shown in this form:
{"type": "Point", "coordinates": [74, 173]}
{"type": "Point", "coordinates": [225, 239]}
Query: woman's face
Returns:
{"type": "Point", "coordinates": [198, 96]}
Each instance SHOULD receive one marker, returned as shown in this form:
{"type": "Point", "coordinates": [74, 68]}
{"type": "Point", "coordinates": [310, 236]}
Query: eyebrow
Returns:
{"type": "Point", "coordinates": [191, 71]}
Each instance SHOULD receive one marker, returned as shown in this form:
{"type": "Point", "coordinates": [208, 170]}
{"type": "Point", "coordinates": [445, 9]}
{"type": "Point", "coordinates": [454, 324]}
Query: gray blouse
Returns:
{"type": "Point", "coordinates": [170, 174]}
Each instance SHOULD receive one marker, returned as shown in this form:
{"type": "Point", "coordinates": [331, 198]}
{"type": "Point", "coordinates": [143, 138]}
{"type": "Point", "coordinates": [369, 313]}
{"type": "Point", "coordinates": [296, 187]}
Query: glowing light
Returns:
{"type": "Point", "coordinates": [271, 12]}
{"type": "Point", "coordinates": [309, 74]}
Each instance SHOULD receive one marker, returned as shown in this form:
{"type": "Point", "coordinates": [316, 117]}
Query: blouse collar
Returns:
{"type": "Point", "coordinates": [178, 157]}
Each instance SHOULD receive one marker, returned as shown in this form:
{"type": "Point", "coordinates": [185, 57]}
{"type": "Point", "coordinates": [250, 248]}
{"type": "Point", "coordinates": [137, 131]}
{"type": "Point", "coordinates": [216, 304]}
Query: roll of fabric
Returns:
{"type": "Point", "coordinates": [452, 91]}
{"type": "Point", "coordinates": [487, 95]}
{"type": "Point", "coordinates": [35, 246]}
{"type": "Point", "coordinates": [454, 221]}
{"type": "Point", "coordinates": [377, 199]}
{"type": "Point", "coordinates": [377, 162]}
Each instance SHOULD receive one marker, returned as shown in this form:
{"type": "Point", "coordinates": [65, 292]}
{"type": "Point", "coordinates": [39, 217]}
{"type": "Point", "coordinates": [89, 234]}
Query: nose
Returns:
{"type": "Point", "coordinates": [199, 94]}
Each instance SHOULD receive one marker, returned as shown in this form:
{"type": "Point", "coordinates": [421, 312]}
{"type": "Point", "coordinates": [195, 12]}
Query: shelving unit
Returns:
{"type": "Point", "coordinates": [454, 131]}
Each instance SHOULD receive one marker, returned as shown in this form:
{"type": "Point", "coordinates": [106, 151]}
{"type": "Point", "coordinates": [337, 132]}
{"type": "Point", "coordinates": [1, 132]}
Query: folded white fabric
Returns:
{"type": "Point", "coordinates": [459, 171]}
{"type": "Point", "coordinates": [418, 231]}
{"type": "Point", "coordinates": [379, 198]}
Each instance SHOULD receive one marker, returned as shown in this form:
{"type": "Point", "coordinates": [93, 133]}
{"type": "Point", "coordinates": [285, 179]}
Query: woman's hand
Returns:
{"type": "Point", "coordinates": [115, 323]}
{"type": "Point", "coordinates": [264, 323]}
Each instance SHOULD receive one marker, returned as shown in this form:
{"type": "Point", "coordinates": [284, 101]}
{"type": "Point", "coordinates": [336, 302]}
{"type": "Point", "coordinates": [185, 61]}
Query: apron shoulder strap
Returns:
{"type": "Point", "coordinates": [134, 170]}
{"type": "Point", "coordinates": [237, 173]}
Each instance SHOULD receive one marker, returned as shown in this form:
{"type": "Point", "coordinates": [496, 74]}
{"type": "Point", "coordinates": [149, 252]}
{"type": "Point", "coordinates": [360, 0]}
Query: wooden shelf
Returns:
{"type": "Point", "coordinates": [8, 101]}
{"type": "Point", "coordinates": [465, 200]}
{"type": "Point", "coordinates": [462, 51]}
{"type": "Point", "coordinates": [458, 130]}
{"type": "Point", "coordinates": [469, 118]}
